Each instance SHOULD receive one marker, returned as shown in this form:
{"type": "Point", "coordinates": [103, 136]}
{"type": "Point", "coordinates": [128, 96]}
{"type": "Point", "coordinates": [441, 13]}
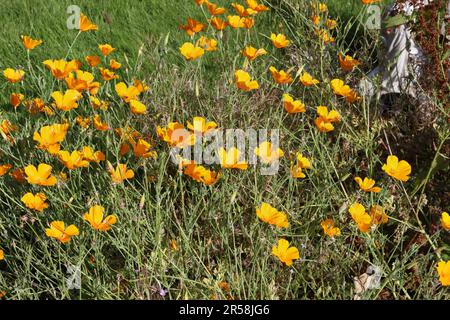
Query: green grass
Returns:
{"type": "Point", "coordinates": [218, 235]}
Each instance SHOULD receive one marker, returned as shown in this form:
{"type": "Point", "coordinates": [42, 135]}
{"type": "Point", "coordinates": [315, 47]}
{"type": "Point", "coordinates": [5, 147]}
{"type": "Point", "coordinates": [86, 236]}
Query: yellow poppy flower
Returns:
{"type": "Point", "coordinates": [91, 156]}
{"type": "Point", "coordinates": [254, 5]}
{"type": "Point", "coordinates": [176, 135]}
{"type": "Point", "coordinates": [192, 27]}
{"type": "Point", "coordinates": [235, 21]}
{"type": "Point", "coordinates": [214, 9]}
{"type": "Point", "coordinates": [308, 80]}
{"type": "Point", "coordinates": [142, 149]}
{"type": "Point", "coordinates": [120, 173]}
{"type": "Point", "coordinates": [92, 61]}
{"type": "Point", "coordinates": [341, 89]}
{"type": "Point", "coordinates": [66, 101]}
{"type": "Point", "coordinates": [201, 174]}
{"type": "Point", "coordinates": [367, 185]}
{"type": "Point", "coordinates": [378, 215]}
{"type": "Point", "coordinates": [329, 229]}
{"type": "Point", "coordinates": [347, 63]}
{"type": "Point", "coordinates": [445, 221]}
{"type": "Point", "coordinates": [113, 64]}
{"type": "Point", "coordinates": [280, 77]}
{"type": "Point", "coordinates": [279, 40]}
{"type": "Point", "coordinates": [399, 170]}
{"type": "Point", "coordinates": [107, 74]}
{"type": "Point", "coordinates": [252, 53]}
{"type": "Point", "coordinates": [291, 105]}
{"type": "Point", "coordinates": [30, 43]}
{"type": "Point", "coordinates": [50, 137]}
{"type": "Point", "coordinates": [270, 215]}
{"type": "Point", "coordinates": [191, 52]}
{"type": "Point", "coordinates": [16, 99]}
{"type": "Point", "coordinates": [99, 124]}
{"type": "Point", "coordinates": [4, 168]}
{"type": "Point", "coordinates": [230, 159]}
{"type": "Point", "coordinates": [207, 44]}
{"type": "Point", "coordinates": [13, 76]}
{"type": "Point", "coordinates": [443, 270]}
{"type": "Point", "coordinates": [86, 24]}
{"type": "Point", "coordinates": [361, 217]}
{"type": "Point", "coordinates": [106, 49]}
{"type": "Point", "coordinates": [218, 23]}
{"type": "Point", "coordinates": [137, 107]}
{"type": "Point", "coordinates": [244, 81]}
{"type": "Point", "coordinates": [73, 160]}
{"type": "Point", "coordinates": [267, 153]}
{"type": "Point", "coordinates": [201, 126]}
{"type": "Point", "coordinates": [60, 69]}
{"type": "Point", "coordinates": [35, 202]}
{"type": "Point", "coordinates": [127, 93]}
{"type": "Point", "coordinates": [42, 175]}
{"type": "Point", "coordinates": [82, 80]}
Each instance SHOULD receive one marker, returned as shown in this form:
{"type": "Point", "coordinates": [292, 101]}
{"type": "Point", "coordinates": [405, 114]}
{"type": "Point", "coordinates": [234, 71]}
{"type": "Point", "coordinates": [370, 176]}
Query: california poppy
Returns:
{"type": "Point", "coordinates": [291, 105]}
{"type": "Point", "coordinates": [35, 202]}
{"type": "Point", "coordinates": [191, 52]}
{"type": "Point", "coordinates": [443, 269]}
{"type": "Point", "coordinates": [106, 49]}
{"type": "Point", "coordinates": [60, 69]}
{"type": "Point", "coordinates": [50, 137]}
{"type": "Point", "coordinates": [244, 81]}
{"type": "Point", "coordinates": [280, 77]}
{"type": "Point", "coordinates": [73, 160]}
{"type": "Point", "coordinates": [16, 99]}
{"type": "Point", "coordinates": [231, 159]}
{"type": "Point", "coordinates": [268, 153]}
{"type": "Point", "coordinates": [201, 126]}
{"type": "Point", "coordinates": [192, 27]}
{"type": "Point", "coordinates": [107, 74]}
{"type": "Point", "coordinates": [252, 53]}
{"type": "Point", "coordinates": [399, 170]}
{"type": "Point", "coordinates": [176, 135]}
{"type": "Point", "coordinates": [329, 229]}
{"type": "Point", "coordinates": [279, 40]}
{"type": "Point", "coordinates": [445, 221]}
{"type": "Point", "coordinates": [66, 101]}
{"type": "Point", "coordinates": [120, 173]}
{"type": "Point", "coordinates": [307, 80]}
{"type": "Point", "coordinates": [285, 253]}
{"type": "Point", "coordinates": [367, 185]}
{"type": "Point", "coordinates": [42, 175]}
{"type": "Point", "coordinates": [86, 24]}
{"type": "Point", "coordinates": [58, 231]}
{"type": "Point", "coordinates": [93, 61]}
{"type": "Point", "coordinates": [13, 76]}
{"type": "Point", "coordinates": [361, 217]}
{"type": "Point", "coordinates": [30, 43]}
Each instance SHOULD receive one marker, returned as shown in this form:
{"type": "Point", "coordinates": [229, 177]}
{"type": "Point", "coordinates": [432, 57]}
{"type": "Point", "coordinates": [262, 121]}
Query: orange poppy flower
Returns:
{"type": "Point", "coordinates": [58, 231]}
